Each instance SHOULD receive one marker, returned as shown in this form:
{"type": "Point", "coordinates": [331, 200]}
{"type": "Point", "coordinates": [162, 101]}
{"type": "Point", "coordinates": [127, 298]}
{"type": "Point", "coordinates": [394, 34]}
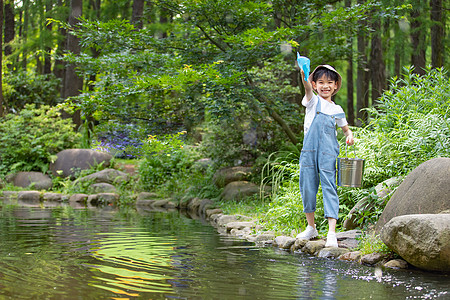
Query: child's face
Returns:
{"type": "Point", "coordinates": [325, 87]}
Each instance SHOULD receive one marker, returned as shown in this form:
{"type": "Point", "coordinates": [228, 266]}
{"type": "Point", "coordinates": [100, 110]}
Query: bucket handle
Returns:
{"type": "Point", "coordinates": [354, 151]}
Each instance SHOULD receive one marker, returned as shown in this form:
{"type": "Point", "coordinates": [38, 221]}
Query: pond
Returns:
{"type": "Point", "coordinates": [68, 253]}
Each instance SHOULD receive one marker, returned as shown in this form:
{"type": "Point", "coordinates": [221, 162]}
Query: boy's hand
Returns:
{"type": "Point", "coordinates": [350, 141]}
{"type": "Point", "coordinates": [349, 135]}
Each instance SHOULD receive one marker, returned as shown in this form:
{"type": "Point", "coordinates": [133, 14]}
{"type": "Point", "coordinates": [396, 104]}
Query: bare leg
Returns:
{"type": "Point", "coordinates": [310, 219]}
{"type": "Point", "coordinates": [331, 224]}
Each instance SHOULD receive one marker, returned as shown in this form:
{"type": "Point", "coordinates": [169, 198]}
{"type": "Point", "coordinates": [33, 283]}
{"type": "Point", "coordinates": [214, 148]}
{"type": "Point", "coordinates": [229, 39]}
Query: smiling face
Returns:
{"type": "Point", "coordinates": [325, 87]}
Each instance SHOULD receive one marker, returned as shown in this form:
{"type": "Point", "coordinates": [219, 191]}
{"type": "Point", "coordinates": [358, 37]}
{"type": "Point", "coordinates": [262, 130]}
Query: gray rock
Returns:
{"type": "Point", "coordinates": [103, 199]}
{"type": "Point", "coordinates": [396, 264]}
{"type": "Point", "coordinates": [348, 239]}
{"type": "Point", "coordinates": [54, 197]}
{"type": "Point", "coordinates": [78, 198]}
{"type": "Point", "coordinates": [35, 180]}
{"type": "Point", "coordinates": [372, 258]}
{"type": "Point", "coordinates": [284, 242]}
{"type": "Point", "coordinates": [70, 161]}
{"type": "Point", "coordinates": [239, 225]}
{"type": "Point", "coordinates": [332, 252]}
{"type": "Point", "coordinates": [264, 237]}
{"type": "Point", "coordinates": [226, 175]}
{"type": "Point", "coordinates": [421, 240]}
{"type": "Point", "coordinates": [223, 220]}
{"type": "Point", "coordinates": [10, 195]}
{"type": "Point", "coordinates": [29, 197]}
{"type": "Point", "coordinates": [313, 247]}
{"type": "Point", "coordinates": [426, 190]}
{"type": "Point", "coordinates": [110, 176]}
{"type": "Point", "coordinates": [245, 231]}
{"type": "Point", "coordinates": [102, 188]}
{"type": "Point", "coordinates": [299, 244]}
{"type": "Point", "coordinates": [210, 212]}
{"type": "Point", "coordinates": [194, 205]}
{"type": "Point", "coordinates": [351, 256]}
{"type": "Point", "coordinates": [239, 190]}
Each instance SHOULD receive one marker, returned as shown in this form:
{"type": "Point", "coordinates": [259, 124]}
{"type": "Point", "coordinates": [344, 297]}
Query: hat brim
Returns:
{"type": "Point", "coordinates": [339, 82]}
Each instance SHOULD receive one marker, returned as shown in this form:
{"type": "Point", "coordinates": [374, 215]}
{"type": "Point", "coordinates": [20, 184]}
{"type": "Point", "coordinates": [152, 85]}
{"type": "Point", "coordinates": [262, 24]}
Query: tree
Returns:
{"type": "Point", "coordinates": [377, 66]}
{"type": "Point", "coordinates": [418, 37]}
{"type": "Point", "coordinates": [137, 14]}
{"type": "Point", "coordinates": [72, 82]}
{"type": "Point", "coordinates": [362, 89]}
{"type": "Point", "coordinates": [9, 26]}
{"type": "Point", "coordinates": [437, 33]}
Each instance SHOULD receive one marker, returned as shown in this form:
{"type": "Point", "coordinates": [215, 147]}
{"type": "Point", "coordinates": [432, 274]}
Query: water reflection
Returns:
{"type": "Point", "coordinates": [133, 262]}
{"type": "Point", "coordinates": [62, 253]}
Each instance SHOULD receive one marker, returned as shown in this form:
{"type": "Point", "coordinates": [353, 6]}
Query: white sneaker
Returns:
{"type": "Point", "coordinates": [331, 240]}
{"type": "Point", "coordinates": [309, 233]}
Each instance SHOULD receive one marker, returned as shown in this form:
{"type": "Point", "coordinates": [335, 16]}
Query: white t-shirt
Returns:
{"type": "Point", "coordinates": [325, 107]}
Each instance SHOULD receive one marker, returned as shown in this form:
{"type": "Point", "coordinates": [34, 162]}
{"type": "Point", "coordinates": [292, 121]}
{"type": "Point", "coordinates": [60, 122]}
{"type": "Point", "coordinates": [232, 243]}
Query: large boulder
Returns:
{"type": "Point", "coordinates": [70, 161]}
{"type": "Point", "coordinates": [226, 175]}
{"type": "Point", "coordinates": [239, 190]}
{"type": "Point", "coordinates": [421, 240]}
{"type": "Point", "coordinates": [426, 190]}
{"type": "Point", "coordinates": [35, 180]}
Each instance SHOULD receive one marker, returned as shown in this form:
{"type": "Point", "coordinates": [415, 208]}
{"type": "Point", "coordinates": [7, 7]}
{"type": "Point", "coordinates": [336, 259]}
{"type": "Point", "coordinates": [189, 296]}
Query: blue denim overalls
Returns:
{"type": "Point", "coordinates": [318, 163]}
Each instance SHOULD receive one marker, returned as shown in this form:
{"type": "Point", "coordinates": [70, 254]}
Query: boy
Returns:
{"type": "Point", "coordinates": [321, 149]}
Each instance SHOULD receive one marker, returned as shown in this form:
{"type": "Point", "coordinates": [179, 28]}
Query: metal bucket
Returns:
{"type": "Point", "coordinates": [350, 171]}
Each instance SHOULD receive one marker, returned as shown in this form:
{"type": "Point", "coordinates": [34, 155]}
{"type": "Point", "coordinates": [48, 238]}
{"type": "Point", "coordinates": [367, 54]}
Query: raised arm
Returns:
{"type": "Point", "coordinates": [308, 87]}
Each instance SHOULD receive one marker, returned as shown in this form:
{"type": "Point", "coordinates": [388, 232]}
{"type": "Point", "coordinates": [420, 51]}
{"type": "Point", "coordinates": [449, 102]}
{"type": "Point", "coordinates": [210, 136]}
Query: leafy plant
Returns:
{"type": "Point", "coordinates": [163, 159]}
{"type": "Point", "coordinates": [31, 138]}
{"type": "Point", "coordinates": [21, 88]}
{"type": "Point", "coordinates": [372, 243]}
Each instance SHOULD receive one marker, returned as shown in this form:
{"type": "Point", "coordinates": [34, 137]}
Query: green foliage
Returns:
{"type": "Point", "coordinates": [409, 125]}
{"type": "Point", "coordinates": [31, 138]}
{"type": "Point", "coordinates": [163, 159]}
{"type": "Point", "coordinates": [372, 243]}
{"type": "Point", "coordinates": [21, 88]}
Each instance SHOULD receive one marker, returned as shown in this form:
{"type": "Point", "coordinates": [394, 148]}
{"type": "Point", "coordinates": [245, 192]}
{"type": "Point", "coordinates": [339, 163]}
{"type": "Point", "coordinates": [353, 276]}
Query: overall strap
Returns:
{"type": "Point", "coordinates": [318, 107]}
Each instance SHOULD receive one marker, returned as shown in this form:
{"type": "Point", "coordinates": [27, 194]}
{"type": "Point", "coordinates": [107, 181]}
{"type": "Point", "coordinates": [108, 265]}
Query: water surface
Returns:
{"type": "Point", "coordinates": [67, 253]}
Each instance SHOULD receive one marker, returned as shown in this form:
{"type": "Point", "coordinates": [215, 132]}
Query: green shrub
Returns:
{"type": "Point", "coordinates": [372, 243]}
{"type": "Point", "coordinates": [23, 88]}
{"type": "Point", "coordinates": [163, 159]}
{"type": "Point", "coordinates": [32, 137]}
{"type": "Point", "coordinates": [409, 125]}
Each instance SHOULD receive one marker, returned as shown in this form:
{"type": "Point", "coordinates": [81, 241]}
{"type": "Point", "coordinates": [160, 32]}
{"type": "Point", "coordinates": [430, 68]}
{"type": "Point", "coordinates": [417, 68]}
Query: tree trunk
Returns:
{"type": "Point", "coordinates": [377, 64]}
{"type": "Point", "coordinates": [437, 33]}
{"type": "Point", "coordinates": [350, 85]}
{"type": "Point", "coordinates": [362, 85]}
{"type": "Point", "coordinates": [418, 59]}
{"type": "Point", "coordinates": [47, 59]}
{"type": "Point", "coordinates": [24, 33]}
{"type": "Point", "coordinates": [9, 25]}
{"type": "Point", "coordinates": [137, 14]}
{"type": "Point", "coordinates": [59, 66]}
{"type": "Point", "coordinates": [72, 82]}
